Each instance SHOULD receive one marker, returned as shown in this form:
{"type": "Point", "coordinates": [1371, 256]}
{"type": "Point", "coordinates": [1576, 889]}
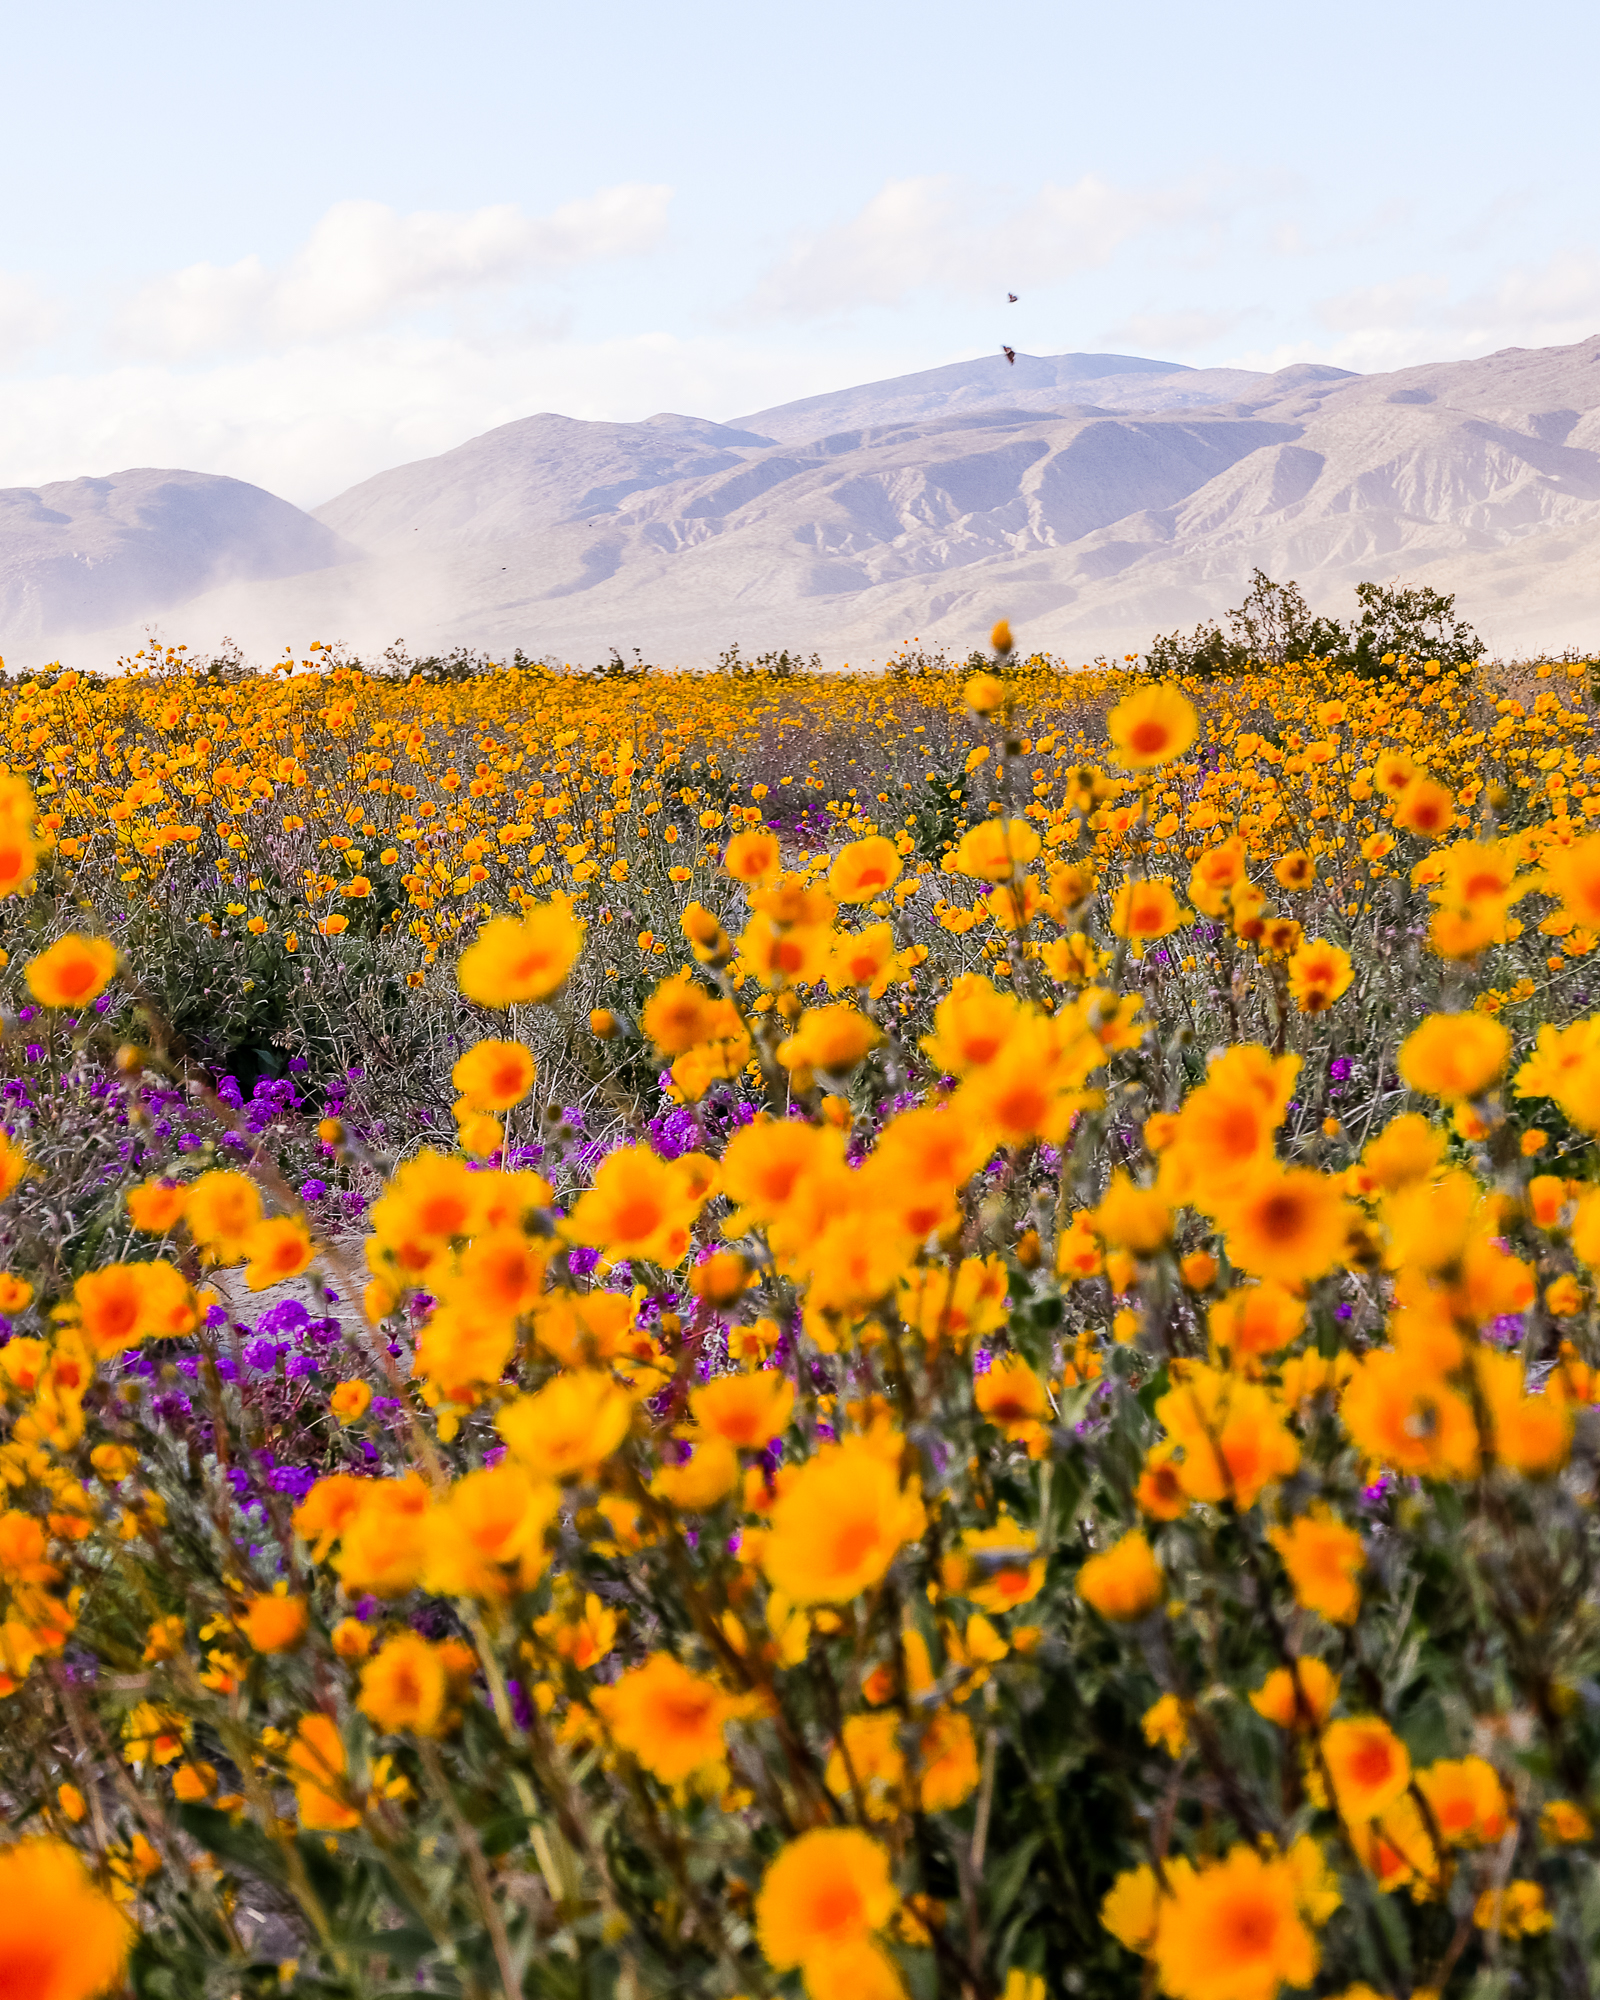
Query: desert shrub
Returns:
{"type": "Point", "coordinates": [1396, 626]}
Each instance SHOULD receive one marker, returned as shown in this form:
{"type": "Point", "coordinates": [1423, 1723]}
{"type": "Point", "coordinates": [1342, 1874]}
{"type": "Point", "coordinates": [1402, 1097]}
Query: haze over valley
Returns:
{"type": "Point", "coordinates": [1095, 499]}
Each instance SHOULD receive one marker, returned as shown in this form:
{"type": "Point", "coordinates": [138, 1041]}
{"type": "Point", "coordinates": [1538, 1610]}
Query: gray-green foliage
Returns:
{"type": "Point", "coordinates": [1275, 624]}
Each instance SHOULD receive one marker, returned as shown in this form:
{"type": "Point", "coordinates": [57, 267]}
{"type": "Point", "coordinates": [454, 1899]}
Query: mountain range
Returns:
{"type": "Point", "coordinates": [1094, 499]}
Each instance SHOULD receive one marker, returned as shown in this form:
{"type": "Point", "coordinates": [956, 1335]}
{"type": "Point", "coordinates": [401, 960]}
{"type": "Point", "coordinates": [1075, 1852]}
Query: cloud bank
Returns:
{"type": "Point", "coordinates": [940, 234]}
{"type": "Point", "coordinates": [364, 265]}
{"type": "Point", "coordinates": [386, 334]}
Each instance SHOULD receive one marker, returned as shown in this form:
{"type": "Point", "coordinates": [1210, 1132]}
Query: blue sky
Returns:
{"type": "Point", "coordinates": [302, 243]}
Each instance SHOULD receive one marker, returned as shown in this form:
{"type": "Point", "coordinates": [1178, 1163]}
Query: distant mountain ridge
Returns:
{"type": "Point", "coordinates": [544, 468]}
{"type": "Point", "coordinates": [81, 553]}
{"type": "Point", "coordinates": [1093, 498]}
{"type": "Point", "coordinates": [1032, 382]}
{"type": "Point", "coordinates": [548, 471]}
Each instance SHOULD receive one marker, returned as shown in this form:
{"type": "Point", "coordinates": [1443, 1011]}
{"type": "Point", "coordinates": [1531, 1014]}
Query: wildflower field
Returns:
{"type": "Point", "coordinates": [761, 1335]}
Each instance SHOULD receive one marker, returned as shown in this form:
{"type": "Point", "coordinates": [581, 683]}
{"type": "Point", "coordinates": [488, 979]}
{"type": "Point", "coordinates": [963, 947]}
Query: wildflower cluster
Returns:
{"type": "Point", "coordinates": [985, 1389]}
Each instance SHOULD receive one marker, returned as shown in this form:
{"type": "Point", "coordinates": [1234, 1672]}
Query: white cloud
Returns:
{"type": "Point", "coordinates": [28, 318]}
{"type": "Point", "coordinates": [1421, 317]}
{"type": "Point", "coordinates": [1384, 307]}
{"type": "Point", "coordinates": [937, 233]}
{"type": "Point", "coordinates": [1176, 332]}
{"type": "Point", "coordinates": [310, 421]}
{"type": "Point", "coordinates": [365, 265]}
{"type": "Point", "coordinates": [1065, 230]}
{"type": "Point", "coordinates": [885, 251]}
{"type": "Point", "coordinates": [1370, 351]}
{"type": "Point", "coordinates": [1562, 294]}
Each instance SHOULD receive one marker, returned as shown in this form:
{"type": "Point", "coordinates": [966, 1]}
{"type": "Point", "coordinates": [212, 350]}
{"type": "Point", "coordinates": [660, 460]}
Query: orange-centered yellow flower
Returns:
{"type": "Point", "coordinates": [350, 1400]}
{"type": "Point", "coordinates": [863, 870]}
{"type": "Point", "coordinates": [827, 1890]}
{"type": "Point", "coordinates": [1467, 1800]}
{"type": "Point", "coordinates": [668, 1718]}
{"type": "Point", "coordinates": [570, 1426]}
{"type": "Point", "coordinates": [121, 1304]}
{"type": "Point", "coordinates": [317, 1763]}
{"type": "Point", "coordinates": [1152, 726]}
{"type": "Point", "coordinates": [61, 1938]}
{"type": "Point", "coordinates": [836, 1530]}
{"type": "Point", "coordinates": [1012, 1397]}
{"type": "Point", "coordinates": [273, 1623]}
{"type": "Point", "coordinates": [1235, 1930]}
{"type": "Point", "coordinates": [1232, 1434]}
{"type": "Point", "coordinates": [1573, 874]}
{"type": "Point", "coordinates": [747, 1411]}
{"type": "Point", "coordinates": [1124, 1582]}
{"type": "Point", "coordinates": [1319, 974]}
{"type": "Point", "coordinates": [74, 971]}
{"type": "Point", "coordinates": [156, 1206]}
{"type": "Point", "coordinates": [222, 1212]}
{"type": "Point", "coordinates": [639, 1206]}
{"type": "Point", "coordinates": [995, 849]}
{"type": "Point", "coordinates": [1454, 1055]}
{"type": "Point", "coordinates": [493, 1075]}
{"type": "Point", "coordinates": [1255, 1320]}
{"type": "Point", "coordinates": [1369, 1765]}
{"type": "Point", "coordinates": [752, 856]}
{"type": "Point", "coordinates": [1286, 1223]}
{"type": "Point", "coordinates": [405, 1686]}
{"type": "Point", "coordinates": [511, 961]}
{"type": "Point", "coordinates": [1323, 1559]}
{"type": "Point", "coordinates": [1302, 1699]}
{"type": "Point", "coordinates": [1147, 909]}
{"type": "Point", "coordinates": [278, 1248]}
{"type": "Point", "coordinates": [829, 1038]}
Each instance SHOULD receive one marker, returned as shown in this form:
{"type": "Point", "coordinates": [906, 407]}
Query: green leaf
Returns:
{"type": "Point", "coordinates": [921, 1969]}
{"type": "Point", "coordinates": [1425, 1729]}
{"type": "Point", "coordinates": [500, 1834]}
{"type": "Point", "coordinates": [1153, 1390]}
{"type": "Point", "coordinates": [331, 1877]}
{"type": "Point", "coordinates": [243, 1844]}
{"type": "Point", "coordinates": [1004, 1879]}
{"type": "Point", "coordinates": [405, 1945]}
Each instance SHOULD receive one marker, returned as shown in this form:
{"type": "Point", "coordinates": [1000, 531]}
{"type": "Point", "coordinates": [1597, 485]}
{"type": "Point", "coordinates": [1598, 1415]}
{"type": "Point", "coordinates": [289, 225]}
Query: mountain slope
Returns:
{"type": "Point", "coordinates": [527, 474]}
{"type": "Point", "coordinates": [83, 554]}
{"type": "Point", "coordinates": [546, 470]}
{"type": "Point", "coordinates": [1091, 527]}
{"type": "Point", "coordinates": [1033, 382]}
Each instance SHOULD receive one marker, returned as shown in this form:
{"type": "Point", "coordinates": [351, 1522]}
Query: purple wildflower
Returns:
{"type": "Point", "coordinates": [294, 1480]}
